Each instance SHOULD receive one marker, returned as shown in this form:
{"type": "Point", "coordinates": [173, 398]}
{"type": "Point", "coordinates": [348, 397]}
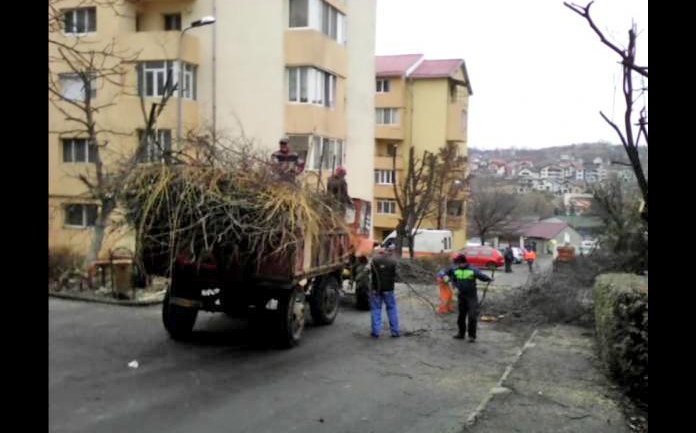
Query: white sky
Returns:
{"type": "Point", "coordinates": [539, 74]}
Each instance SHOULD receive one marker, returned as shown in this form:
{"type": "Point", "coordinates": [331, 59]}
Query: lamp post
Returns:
{"type": "Point", "coordinates": [180, 83]}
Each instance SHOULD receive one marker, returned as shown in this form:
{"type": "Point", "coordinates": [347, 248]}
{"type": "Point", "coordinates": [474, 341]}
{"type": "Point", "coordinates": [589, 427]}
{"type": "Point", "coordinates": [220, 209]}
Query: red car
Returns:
{"type": "Point", "coordinates": [482, 256]}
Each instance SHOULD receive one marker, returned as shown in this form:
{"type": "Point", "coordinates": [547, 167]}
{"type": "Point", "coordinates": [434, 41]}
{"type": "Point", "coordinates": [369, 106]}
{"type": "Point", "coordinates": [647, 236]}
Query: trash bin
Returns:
{"type": "Point", "coordinates": [122, 274]}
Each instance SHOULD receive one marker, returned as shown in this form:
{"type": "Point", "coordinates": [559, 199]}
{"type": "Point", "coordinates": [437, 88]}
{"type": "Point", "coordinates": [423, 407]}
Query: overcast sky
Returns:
{"type": "Point", "coordinates": [538, 72]}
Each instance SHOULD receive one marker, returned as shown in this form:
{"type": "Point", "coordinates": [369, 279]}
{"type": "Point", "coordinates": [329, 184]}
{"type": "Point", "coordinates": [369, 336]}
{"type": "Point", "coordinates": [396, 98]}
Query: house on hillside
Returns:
{"type": "Point", "coordinates": [543, 232]}
{"type": "Point", "coordinates": [551, 172]}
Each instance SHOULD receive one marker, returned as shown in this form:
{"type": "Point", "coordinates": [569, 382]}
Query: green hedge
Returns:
{"type": "Point", "coordinates": [621, 322]}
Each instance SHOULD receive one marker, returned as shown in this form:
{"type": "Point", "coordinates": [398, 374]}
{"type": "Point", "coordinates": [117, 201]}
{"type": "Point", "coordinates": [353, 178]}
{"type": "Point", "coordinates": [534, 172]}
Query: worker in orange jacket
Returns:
{"type": "Point", "coordinates": [446, 293]}
{"type": "Point", "coordinates": [530, 258]}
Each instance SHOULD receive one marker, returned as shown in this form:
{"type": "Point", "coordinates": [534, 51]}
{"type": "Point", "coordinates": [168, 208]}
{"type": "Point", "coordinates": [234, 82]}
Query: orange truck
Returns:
{"type": "Point", "coordinates": [272, 291]}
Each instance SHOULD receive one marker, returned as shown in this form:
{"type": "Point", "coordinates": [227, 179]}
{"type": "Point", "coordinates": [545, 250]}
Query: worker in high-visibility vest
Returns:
{"type": "Point", "coordinates": [530, 258]}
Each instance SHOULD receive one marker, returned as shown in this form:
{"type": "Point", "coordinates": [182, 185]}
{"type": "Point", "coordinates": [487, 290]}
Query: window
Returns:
{"type": "Point", "coordinates": [309, 85]}
{"type": "Point", "coordinates": [172, 21]}
{"type": "Point", "coordinates": [80, 215]}
{"type": "Point", "coordinates": [384, 177]}
{"type": "Point", "coordinates": [299, 13]}
{"type": "Point", "coordinates": [318, 15]}
{"type": "Point", "coordinates": [386, 206]}
{"type": "Point", "coordinates": [157, 147]}
{"type": "Point", "coordinates": [155, 77]}
{"type": "Point", "coordinates": [138, 22]}
{"type": "Point", "coordinates": [77, 150]}
{"type": "Point", "coordinates": [73, 87]}
{"type": "Point", "coordinates": [300, 145]}
{"type": "Point", "coordinates": [382, 86]}
{"type": "Point", "coordinates": [464, 120]}
{"type": "Point", "coordinates": [327, 150]}
{"type": "Point", "coordinates": [387, 116]}
{"type": "Point", "coordinates": [455, 208]}
{"type": "Point", "coordinates": [80, 20]}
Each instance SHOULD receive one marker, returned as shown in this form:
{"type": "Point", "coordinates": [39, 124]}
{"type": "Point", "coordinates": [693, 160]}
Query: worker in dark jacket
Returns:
{"type": "Point", "coordinates": [288, 163]}
{"type": "Point", "coordinates": [337, 187]}
{"type": "Point", "coordinates": [463, 277]}
{"type": "Point", "coordinates": [383, 277]}
{"type": "Point", "coordinates": [509, 256]}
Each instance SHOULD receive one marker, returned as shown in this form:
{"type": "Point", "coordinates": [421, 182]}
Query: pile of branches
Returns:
{"type": "Point", "coordinates": [234, 201]}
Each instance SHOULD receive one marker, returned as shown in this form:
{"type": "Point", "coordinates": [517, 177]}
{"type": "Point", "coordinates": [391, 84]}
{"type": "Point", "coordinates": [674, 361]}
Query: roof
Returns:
{"type": "Point", "coordinates": [397, 65]}
{"type": "Point", "coordinates": [581, 221]}
{"type": "Point", "coordinates": [444, 68]}
{"type": "Point", "coordinates": [545, 230]}
{"type": "Point", "coordinates": [437, 68]}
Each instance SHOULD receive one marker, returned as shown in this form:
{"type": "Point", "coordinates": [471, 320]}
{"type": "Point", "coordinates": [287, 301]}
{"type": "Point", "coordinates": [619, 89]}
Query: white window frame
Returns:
{"type": "Point", "coordinates": [152, 153]}
{"type": "Point", "coordinates": [70, 81]}
{"type": "Point", "coordinates": [334, 28]}
{"type": "Point", "coordinates": [385, 177]}
{"type": "Point", "coordinates": [190, 76]}
{"type": "Point", "coordinates": [90, 152]}
{"type": "Point", "coordinates": [85, 222]}
{"type": "Point", "coordinates": [74, 12]}
{"type": "Point", "coordinates": [332, 147]}
{"type": "Point", "coordinates": [386, 207]}
{"type": "Point", "coordinates": [318, 86]}
{"type": "Point", "coordinates": [464, 120]}
{"type": "Point", "coordinates": [387, 116]}
{"type": "Point", "coordinates": [383, 86]}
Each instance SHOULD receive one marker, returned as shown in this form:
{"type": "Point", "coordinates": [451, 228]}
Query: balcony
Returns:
{"type": "Point", "coordinates": [387, 162]}
{"type": "Point", "coordinates": [389, 132]}
{"type": "Point", "coordinates": [312, 47]}
{"type": "Point", "coordinates": [163, 45]}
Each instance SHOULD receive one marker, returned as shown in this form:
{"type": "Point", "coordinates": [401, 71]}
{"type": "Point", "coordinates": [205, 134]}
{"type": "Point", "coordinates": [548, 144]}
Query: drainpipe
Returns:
{"type": "Point", "coordinates": [214, 67]}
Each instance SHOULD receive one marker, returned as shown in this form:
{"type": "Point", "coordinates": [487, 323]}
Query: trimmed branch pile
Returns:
{"type": "Point", "coordinates": [235, 205]}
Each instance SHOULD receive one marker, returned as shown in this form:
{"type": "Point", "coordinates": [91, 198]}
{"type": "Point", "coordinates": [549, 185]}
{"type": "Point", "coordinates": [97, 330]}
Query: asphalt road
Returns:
{"type": "Point", "coordinates": [337, 380]}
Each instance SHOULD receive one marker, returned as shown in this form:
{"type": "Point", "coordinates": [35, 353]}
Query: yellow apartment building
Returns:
{"type": "Point", "coordinates": [422, 104]}
{"type": "Point", "coordinates": [264, 69]}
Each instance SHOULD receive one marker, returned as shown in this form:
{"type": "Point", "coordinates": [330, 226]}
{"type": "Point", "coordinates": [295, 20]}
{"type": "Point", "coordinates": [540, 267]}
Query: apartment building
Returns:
{"type": "Point", "coordinates": [264, 69]}
{"type": "Point", "coordinates": [422, 104]}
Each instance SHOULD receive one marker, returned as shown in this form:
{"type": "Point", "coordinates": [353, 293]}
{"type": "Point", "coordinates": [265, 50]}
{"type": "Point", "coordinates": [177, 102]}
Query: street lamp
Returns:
{"type": "Point", "coordinates": [180, 84]}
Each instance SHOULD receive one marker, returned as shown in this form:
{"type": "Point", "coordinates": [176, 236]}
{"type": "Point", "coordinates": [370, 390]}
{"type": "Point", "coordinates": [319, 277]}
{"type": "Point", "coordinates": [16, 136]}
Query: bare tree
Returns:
{"type": "Point", "coordinates": [631, 132]}
{"type": "Point", "coordinates": [449, 179]}
{"type": "Point", "coordinates": [414, 196]}
{"type": "Point", "coordinates": [490, 208]}
{"type": "Point", "coordinates": [76, 69]}
{"type": "Point", "coordinates": [625, 236]}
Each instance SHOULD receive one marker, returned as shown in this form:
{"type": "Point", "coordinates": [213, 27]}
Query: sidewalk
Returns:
{"type": "Point", "coordinates": [142, 298]}
{"type": "Point", "coordinates": [556, 385]}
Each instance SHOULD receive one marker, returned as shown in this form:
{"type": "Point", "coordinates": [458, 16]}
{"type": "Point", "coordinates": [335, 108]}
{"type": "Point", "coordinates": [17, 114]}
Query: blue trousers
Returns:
{"type": "Point", "coordinates": [376, 300]}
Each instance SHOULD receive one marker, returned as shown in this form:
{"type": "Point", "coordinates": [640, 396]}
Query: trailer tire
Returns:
{"type": "Point", "coordinates": [178, 320]}
{"type": "Point", "coordinates": [324, 300]}
{"type": "Point", "coordinates": [291, 319]}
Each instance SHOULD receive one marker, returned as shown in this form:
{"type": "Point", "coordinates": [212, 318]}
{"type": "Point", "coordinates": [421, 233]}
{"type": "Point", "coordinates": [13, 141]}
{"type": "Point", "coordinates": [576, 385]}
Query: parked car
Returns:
{"type": "Point", "coordinates": [588, 246]}
{"type": "Point", "coordinates": [483, 256]}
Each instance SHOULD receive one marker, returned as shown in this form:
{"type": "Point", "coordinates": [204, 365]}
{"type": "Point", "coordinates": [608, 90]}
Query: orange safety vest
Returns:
{"type": "Point", "coordinates": [530, 255]}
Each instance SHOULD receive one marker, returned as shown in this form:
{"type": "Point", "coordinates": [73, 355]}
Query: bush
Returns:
{"type": "Point", "coordinates": [61, 261]}
{"type": "Point", "coordinates": [422, 270]}
{"type": "Point", "coordinates": [621, 322]}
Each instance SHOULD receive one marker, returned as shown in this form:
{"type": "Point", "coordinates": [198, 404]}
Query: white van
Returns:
{"type": "Point", "coordinates": [427, 242]}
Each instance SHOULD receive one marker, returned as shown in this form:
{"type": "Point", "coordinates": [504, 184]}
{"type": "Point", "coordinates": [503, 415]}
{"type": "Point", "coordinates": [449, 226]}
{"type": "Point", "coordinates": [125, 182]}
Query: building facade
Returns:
{"type": "Point", "coordinates": [422, 104]}
{"type": "Point", "coordinates": [263, 70]}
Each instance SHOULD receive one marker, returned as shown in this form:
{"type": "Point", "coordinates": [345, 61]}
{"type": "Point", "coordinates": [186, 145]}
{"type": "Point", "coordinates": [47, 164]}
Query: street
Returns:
{"type": "Point", "coordinates": [337, 380]}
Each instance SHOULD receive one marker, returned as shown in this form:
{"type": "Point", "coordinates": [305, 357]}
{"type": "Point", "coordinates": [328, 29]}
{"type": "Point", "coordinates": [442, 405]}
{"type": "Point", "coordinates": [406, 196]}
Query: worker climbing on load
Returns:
{"type": "Point", "coordinates": [288, 163]}
{"type": "Point", "coordinates": [337, 187]}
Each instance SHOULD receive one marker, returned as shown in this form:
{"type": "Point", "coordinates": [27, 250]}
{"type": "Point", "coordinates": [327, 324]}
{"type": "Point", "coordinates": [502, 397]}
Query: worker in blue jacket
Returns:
{"type": "Point", "coordinates": [462, 277]}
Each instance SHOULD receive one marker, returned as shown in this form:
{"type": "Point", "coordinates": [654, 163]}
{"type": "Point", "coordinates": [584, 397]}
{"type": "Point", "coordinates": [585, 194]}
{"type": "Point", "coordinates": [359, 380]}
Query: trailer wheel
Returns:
{"type": "Point", "coordinates": [324, 300]}
{"type": "Point", "coordinates": [178, 320]}
{"type": "Point", "coordinates": [291, 321]}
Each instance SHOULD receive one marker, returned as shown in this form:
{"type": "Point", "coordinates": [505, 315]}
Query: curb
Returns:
{"type": "Point", "coordinates": [127, 303]}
